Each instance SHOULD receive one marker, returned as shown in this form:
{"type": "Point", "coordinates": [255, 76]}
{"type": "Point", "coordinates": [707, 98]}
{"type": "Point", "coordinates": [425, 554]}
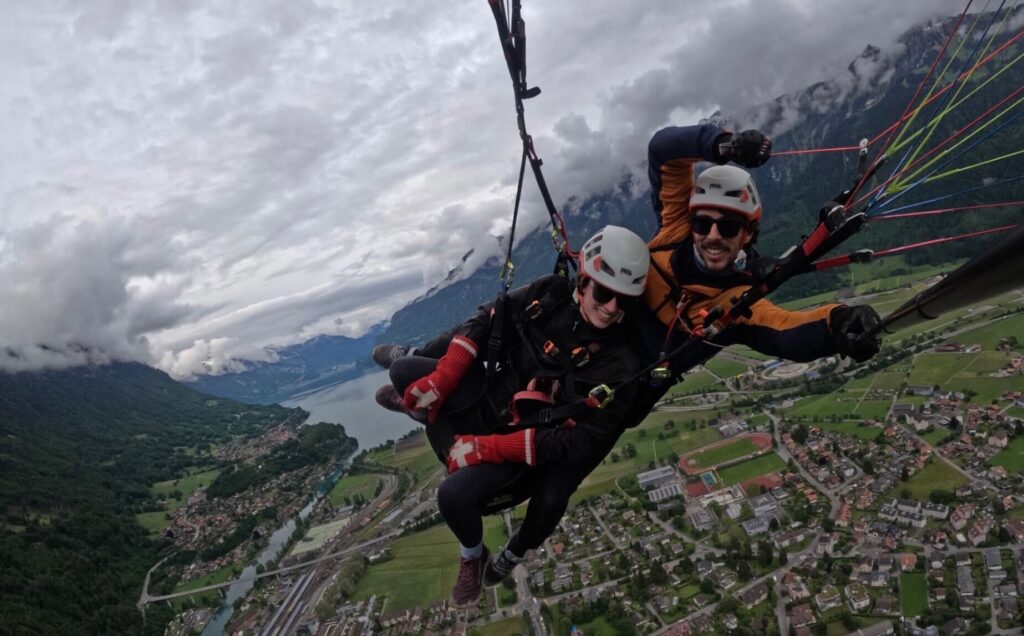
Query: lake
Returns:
{"type": "Point", "coordinates": [351, 404]}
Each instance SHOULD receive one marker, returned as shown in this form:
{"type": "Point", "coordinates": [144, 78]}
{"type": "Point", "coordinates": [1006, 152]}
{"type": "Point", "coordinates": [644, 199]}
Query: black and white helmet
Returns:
{"type": "Point", "coordinates": [617, 259]}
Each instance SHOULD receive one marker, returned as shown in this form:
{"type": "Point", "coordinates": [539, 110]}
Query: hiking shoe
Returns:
{"type": "Point", "coordinates": [389, 397]}
{"type": "Point", "coordinates": [468, 586]}
{"type": "Point", "coordinates": [498, 567]}
{"type": "Point", "coordinates": [384, 355]}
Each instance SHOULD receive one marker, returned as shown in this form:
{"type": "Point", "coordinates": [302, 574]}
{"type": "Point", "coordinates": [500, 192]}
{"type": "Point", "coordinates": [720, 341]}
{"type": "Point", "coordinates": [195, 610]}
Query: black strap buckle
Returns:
{"type": "Point", "coordinates": [534, 310]}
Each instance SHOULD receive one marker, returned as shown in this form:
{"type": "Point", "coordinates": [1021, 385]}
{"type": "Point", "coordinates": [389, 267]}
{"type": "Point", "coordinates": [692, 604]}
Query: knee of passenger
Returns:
{"type": "Point", "coordinates": [447, 496]}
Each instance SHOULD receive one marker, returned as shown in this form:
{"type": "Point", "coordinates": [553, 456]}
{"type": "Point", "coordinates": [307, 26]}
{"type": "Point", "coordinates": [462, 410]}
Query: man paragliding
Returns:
{"type": "Point", "coordinates": [703, 258]}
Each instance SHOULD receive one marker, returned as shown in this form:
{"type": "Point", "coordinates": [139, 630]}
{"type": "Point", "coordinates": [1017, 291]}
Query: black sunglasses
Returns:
{"type": "Point", "coordinates": [728, 227]}
{"type": "Point", "coordinates": [603, 295]}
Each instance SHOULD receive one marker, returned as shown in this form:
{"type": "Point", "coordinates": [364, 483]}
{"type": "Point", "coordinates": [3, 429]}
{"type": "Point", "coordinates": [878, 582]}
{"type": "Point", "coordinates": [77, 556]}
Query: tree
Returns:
{"type": "Point", "coordinates": [707, 586]}
{"type": "Point", "coordinates": [744, 571]}
{"type": "Point", "coordinates": [783, 556]}
{"type": "Point", "coordinates": [800, 434]}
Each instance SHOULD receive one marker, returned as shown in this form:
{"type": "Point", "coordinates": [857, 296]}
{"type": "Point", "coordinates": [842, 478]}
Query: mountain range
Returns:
{"type": "Point", "coordinates": [864, 100]}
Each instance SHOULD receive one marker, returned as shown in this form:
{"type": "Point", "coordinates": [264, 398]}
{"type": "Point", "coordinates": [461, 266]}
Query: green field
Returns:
{"type": "Point", "coordinates": [725, 368]}
{"type": "Point", "coordinates": [872, 409]}
{"type": "Point", "coordinates": [936, 436]}
{"type": "Point", "coordinates": [913, 594]}
{"type": "Point", "coordinates": [938, 475]}
{"type": "Point", "coordinates": [155, 522]}
{"type": "Point", "coordinates": [694, 382]}
{"type": "Point", "coordinates": [888, 380]}
{"type": "Point", "coordinates": [1012, 457]}
{"type": "Point", "coordinates": [422, 571]}
{"type": "Point", "coordinates": [603, 478]}
{"type": "Point", "coordinates": [507, 627]}
{"type": "Point", "coordinates": [211, 597]}
{"type": "Point", "coordinates": [990, 335]}
{"type": "Point", "coordinates": [850, 428]}
{"type": "Point", "coordinates": [940, 368]}
{"type": "Point", "coordinates": [825, 406]}
{"type": "Point", "coordinates": [762, 465]}
{"type": "Point", "coordinates": [187, 485]}
{"type": "Point", "coordinates": [352, 485]}
{"type": "Point", "coordinates": [724, 453]}
{"type": "Point", "coordinates": [420, 461]}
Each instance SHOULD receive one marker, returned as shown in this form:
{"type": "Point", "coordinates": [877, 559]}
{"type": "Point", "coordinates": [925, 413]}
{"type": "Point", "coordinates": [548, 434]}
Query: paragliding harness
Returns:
{"type": "Point", "coordinates": [834, 227]}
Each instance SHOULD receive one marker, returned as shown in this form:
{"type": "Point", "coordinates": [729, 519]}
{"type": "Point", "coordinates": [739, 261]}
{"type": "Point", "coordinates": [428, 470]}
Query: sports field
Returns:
{"type": "Point", "coordinates": [1012, 457]}
{"type": "Point", "coordinates": [913, 594]}
{"type": "Point", "coordinates": [720, 454]}
{"type": "Point", "coordinates": [648, 447]}
{"type": "Point", "coordinates": [763, 465]}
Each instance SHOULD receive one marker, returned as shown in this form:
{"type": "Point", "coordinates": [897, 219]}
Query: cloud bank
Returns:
{"type": "Point", "coordinates": [183, 183]}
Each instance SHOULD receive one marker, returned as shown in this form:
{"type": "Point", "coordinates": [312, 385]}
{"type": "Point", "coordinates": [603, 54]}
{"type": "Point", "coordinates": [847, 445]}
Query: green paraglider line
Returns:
{"type": "Point", "coordinates": [905, 178]}
{"type": "Point", "coordinates": [936, 119]}
{"type": "Point", "coordinates": [931, 126]}
{"type": "Point", "coordinates": [935, 85]}
{"type": "Point", "coordinates": [994, 76]}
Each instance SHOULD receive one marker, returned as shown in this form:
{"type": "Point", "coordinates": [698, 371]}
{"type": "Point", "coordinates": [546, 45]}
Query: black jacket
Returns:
{"type": "Point", "coordinates": [522, 357]}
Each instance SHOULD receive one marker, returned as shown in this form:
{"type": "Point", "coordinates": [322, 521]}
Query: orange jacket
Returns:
{"type": "Point", "coordinates": [677, 283]}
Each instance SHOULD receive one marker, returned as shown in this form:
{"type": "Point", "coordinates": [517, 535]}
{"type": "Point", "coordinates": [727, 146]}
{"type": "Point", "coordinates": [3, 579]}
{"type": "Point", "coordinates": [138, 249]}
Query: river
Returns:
{"type": "Point", "coordinates": [350, 404]}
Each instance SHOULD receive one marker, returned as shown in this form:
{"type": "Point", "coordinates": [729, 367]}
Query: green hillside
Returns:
{"type": "Point", "coordinates": [79, 450]}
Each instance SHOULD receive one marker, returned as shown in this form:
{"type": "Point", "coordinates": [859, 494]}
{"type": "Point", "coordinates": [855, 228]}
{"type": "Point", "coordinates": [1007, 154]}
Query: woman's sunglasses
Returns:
{"type": "Point", "coordinates": [603, 295]}
{"type": "Point", "coordinates": [728, 227]}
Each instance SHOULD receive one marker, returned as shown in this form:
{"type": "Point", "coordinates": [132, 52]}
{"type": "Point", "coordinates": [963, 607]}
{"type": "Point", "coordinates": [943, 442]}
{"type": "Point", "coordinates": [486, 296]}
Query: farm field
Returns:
{"type": "Point", "coordinates": [749, 469]}
{"type": "Point", "coordinates": [872, 409]}
{"type": "Point", "coordinates": [351, 485]}
{"type": "Point", "coordinates": [187, 485]}
{"type": "Point", "coordinates": [422, 571]}
{"type": "Point", "coordinates": [1012, 457]}
{"type": "Point", "coordinates": [990, 335]}
{"type": "Point", "coordinates": [506, 627]}
{"type": "Point", "coordinates": [853, 429]}
{"type": "Point", "coordinates": [937, 475]}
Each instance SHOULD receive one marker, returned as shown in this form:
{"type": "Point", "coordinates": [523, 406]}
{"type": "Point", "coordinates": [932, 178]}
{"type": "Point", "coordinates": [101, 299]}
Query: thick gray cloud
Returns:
{"type": "Point", "coordinates": [183, 183]}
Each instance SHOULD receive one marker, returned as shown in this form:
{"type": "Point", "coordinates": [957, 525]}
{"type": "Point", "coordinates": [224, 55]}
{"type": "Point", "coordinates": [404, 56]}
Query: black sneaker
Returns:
{"type": "Point", "coordinates": [498, 567]}
{"type": "Point", "coordinates": [467, 587]}
{"type": "Point", "coordinates": [384, 355]}
{"type": "Point", "coordinates": [389, 397]}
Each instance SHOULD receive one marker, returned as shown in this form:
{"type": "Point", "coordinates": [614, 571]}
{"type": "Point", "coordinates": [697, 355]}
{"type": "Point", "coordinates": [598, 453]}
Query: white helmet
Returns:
{"type": "Point", "coordinates": [617, 259]}
{"type": "Point", "coordinates": [727, 188]}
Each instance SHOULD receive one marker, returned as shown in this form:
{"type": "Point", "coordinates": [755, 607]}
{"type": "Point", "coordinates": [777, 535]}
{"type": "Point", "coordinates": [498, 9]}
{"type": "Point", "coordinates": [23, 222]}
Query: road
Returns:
{"type": "Point", "coordinates": [147, 598]}
{"type": "Point", "coordinates": [784, 454]}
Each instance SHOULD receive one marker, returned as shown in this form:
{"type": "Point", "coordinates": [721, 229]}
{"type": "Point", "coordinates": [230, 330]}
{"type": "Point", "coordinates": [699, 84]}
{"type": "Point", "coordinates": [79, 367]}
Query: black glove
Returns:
{"type": "Point", "coordinates": [849, 326]}
{"type": "Point", "coordinates": [749, 148]}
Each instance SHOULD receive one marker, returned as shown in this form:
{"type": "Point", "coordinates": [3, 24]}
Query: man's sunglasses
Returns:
{"type": "Point", "coordinates": [728, 227]}
{"type": "Point", "coordinates": [603, 295]}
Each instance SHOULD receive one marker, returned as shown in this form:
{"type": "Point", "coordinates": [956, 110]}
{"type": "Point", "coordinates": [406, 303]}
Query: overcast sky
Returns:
{"type": "Point", "coordinates": [186, 182]}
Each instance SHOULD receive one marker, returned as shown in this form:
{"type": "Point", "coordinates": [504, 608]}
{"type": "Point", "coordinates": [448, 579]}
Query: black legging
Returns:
{"type": "Point", "coordinates": [471, 492]}
{"type": "Point", "coordinates": [463, 499]}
